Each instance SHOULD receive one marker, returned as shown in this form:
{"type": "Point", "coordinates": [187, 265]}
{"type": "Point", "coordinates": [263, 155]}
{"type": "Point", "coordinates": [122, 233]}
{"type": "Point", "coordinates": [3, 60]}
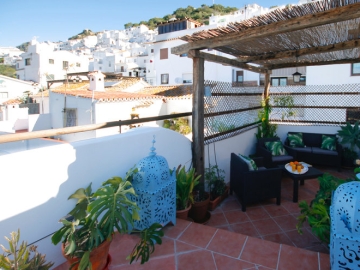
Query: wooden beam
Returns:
{"type": "Point", "coordinates": [334, 15]}
{"type": "Point", "coordinates": [198, 116]}
{"type": "Point", "coordinates": [225, 61]}
{"type": "Point", "coordinates": [320, 63]}
{"type": "Point", "coordinates": [293, 53]}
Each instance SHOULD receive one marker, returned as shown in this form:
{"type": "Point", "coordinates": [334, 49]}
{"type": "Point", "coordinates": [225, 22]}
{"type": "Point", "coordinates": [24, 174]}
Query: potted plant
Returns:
{"type": "Point", "coordinates": [265, 129]}
{"type": "Point", "coordinates": [350, 138]}
{"type": "Point", "coordinates": [185, 183]}
{"type": "Point", "coordinates": [96, 217]}
{"type": "Point", "coordinates": [215, 179]}
{"type": "Point", "coordinates": [199, 209]}
{"type": "Point", "coordinates": [19, 257]}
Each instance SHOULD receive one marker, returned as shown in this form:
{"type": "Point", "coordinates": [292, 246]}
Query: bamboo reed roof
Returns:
{"type": "Point", "coordinates": [317, 33]}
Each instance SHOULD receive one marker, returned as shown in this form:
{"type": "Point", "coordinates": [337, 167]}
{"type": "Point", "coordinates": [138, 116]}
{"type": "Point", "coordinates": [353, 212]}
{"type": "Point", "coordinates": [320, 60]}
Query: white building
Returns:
{"type": "Point", "coordinates": [9, 55]}
{"type": "Point", "coordinates": [84, 103]}
{"type": "Point", "coordinates": [41, 63]}
{"type": "Point", "coordinates": [11, 88]}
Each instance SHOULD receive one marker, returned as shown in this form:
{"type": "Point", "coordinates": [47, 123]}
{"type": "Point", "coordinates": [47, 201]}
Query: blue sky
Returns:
{"type": "Point", "coordinates": [54, 20]}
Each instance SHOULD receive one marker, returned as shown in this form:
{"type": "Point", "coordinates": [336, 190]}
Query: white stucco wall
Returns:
{"type": "Point", "coordinates": [330, 74]}
{"type": "Point", "coordinates": [42, 190]}
{"type": "Point", "coordinates": [14, 88]}
{"type": "Point", "coordinates": [39, 122]}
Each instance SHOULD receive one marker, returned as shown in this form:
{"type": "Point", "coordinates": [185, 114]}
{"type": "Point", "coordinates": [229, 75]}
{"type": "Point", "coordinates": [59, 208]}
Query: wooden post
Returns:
{"type": "Point", "coordinates": [267, 84]}
{"type": "Point", "coordinates": [198, 116]}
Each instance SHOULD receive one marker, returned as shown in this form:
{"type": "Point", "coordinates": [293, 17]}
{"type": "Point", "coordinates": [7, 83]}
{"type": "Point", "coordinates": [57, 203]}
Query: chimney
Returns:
{"type": "Point", "coordinates": [96, 81]}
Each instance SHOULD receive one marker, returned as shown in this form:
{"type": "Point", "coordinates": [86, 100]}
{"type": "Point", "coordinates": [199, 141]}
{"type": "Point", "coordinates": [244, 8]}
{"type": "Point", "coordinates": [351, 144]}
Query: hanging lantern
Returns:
{"type": "Point", "coordinates": [296, 75]}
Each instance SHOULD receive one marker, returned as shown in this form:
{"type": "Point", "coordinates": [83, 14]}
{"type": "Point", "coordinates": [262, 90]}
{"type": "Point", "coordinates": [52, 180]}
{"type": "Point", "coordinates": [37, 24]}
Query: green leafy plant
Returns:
{"type": "Point", "coordinates": [185, 183]}
{"type": "Point", "coordinates": [317, 212]}
{"type": "Point", "coordinates": [180, 125]}
{"type": "Point", "coordinates": [221, 126]}
{"type": "Point", "coordinates": [98, 215]}
{"type": "Point", "coordinates": [350, 135]}
{"type": "Point", "coordinates": [265, 129]}
{"type": "Point", "coordinates": [18, 257]}
{"type": "Point", "coordinates": [215, 179]}
{"type": "Point", "coordinates": [287, 104]}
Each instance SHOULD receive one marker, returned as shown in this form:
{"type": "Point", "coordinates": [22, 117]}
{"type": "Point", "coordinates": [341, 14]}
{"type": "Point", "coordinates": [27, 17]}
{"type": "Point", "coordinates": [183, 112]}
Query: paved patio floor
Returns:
{"type": "Point", "coordinates": [263, 237]}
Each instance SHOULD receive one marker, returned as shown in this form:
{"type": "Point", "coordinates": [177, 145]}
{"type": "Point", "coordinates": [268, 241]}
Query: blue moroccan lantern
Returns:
{"type": "Point", "coordinates": [156, 191]}
{"type": "Point", "coordinates": [345, 227]}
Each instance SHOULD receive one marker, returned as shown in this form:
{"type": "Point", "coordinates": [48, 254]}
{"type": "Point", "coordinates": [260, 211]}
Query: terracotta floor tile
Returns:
{"type": "Point", "coordinates": [286, 223]}
{"type": "Point", "coordinates": [227, 243]}
{"type": "Point", "coordinates": [280, 238]}
{"type": "Point", "coordinates": [228, 205]}
{"type": "Point", "coordinates": [226, 263]}
{"type": "Point", "coordinates": [301, 258]}
{"type": "Point", "coordinates": [257, 213]}
{"type": "Point", "coordinates": [236, 216]}
{"type": "Point", "coordinates": [166, 248]}
{"type": "Point", "coordinates": [261, 252]}
{"type": "Point", "coordinates": [266, 226]}
{"type": "Point", "coordinates": [276, 210]}
{"type": "Point", "coordinates": [322, 248]}
{"type": "Point", "coordinates": [216, 210]}
{"type": "Point", "coordinates": [292, 207]}
{"type": "Point", "coordinates": [183, 247]}
{"type": "Point", "coordinates": [198, 235]}
{"type": "Point", "coordinates": [245, 228]}
{"type": "Point", "coordinates": [121, 247]}
{"type": "Point", "coordinates": [175, 231]}
{"type": "Point", "coordinates": [196, 260]}
{"type": "Point", "coordinates": [324, 261]}
{"type": "Point", "coordinates": [224, 227]}
{"type": "Point", "coordinates": [304, 240]}
{"type": "Point", "coordinates": [217, 219]}
{"type": "Point", "coordinates": [163, 263]}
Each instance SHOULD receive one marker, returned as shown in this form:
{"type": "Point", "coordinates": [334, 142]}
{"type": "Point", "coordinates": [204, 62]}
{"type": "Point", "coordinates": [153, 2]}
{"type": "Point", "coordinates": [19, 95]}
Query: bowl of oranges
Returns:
{"type": "Point", "coordinates": [296, 167]}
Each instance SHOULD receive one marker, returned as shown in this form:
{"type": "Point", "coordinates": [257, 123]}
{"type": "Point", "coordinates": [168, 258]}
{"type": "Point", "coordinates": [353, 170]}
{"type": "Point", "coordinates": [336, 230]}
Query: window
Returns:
{"type": "Point", "coordinates": [51, 61]}
{"type": "Point", "coordinates": [152, 50]}
{"type": "Point", "coordinates": [122, 69]}
{"type": "Point", "coordinates": [144, 60]}
{"type": "Point", "coordinates": [355, 69]}
{"type": "Point", "coordinates": [65, 64]}
{"type": "Point", "coordinates": [109, 64]}
{"type": "Point", "coordinates": [240, 76]}
{"type": "Point", "coordinates": [70, 118]}
{"type": "Point", "coordinates": [278, 81]}
{"type": "Point", "coordinates": [50, 77]}
{"type": "Point", "coordinates": [164, 78]}
{"type": "Point", "coordinates": [78, 65]}
{"type": "Point", "coordinates": [27, 62]}
{"type": "Point", "coordinates": [17, 65]}
{"type": "Point", "coordinates": [183, 55]}
{"type": "Point", "coordinates": [4, 94]}
{"type": "Point", "coordinates": [187, 77]}
{"type": "Point", "coordinates": [164, 54]}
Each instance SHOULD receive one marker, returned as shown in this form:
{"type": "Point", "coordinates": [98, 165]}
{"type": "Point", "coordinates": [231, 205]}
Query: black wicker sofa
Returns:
{"type": "Point", "coordinates": [312, 153]}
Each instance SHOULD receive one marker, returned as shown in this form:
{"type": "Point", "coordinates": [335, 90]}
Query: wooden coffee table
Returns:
{"type": "Point", "coordinates": [310, 174]}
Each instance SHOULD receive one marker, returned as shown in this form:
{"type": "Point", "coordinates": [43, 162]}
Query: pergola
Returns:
{"type": "Point", "coordinates": [325, 32]}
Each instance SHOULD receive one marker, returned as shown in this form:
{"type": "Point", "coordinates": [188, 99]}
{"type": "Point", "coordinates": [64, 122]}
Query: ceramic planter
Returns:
{"type": "Point", "coordinates": [213, 204]}
{"type": "Point", "coordinates": [183, 214]}
{"type": "Point", "coordinates": [198, 211]}
{"type": "Point", "coordinates": [99, 257]}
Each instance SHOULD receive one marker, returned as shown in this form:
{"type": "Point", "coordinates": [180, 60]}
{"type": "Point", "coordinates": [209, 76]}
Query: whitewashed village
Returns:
{"type": "Point", "coordinates": [122, 75]}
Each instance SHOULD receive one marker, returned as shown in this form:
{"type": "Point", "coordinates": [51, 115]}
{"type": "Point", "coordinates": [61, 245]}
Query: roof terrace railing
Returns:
{"type": "Point", "coordinates": [68, 130]}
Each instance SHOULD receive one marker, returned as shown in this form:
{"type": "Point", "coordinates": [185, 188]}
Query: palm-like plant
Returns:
{"type": "Point", "coordinates": [350, 135]}
{"type": "Point", "coordinates": [97, 216]}
{"type": "Point", "coordinates": [185, 183]}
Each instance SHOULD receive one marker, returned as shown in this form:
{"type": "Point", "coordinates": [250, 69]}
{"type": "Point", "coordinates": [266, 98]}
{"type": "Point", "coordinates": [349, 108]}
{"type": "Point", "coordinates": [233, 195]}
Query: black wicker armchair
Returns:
{"type": "Point", "coordinates": [254, 186]}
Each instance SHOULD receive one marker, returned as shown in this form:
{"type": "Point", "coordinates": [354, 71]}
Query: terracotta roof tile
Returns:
{"type": "Point", "coordinates": [11, 101]}
{"type": "Point", "coordinates": [171, 91]}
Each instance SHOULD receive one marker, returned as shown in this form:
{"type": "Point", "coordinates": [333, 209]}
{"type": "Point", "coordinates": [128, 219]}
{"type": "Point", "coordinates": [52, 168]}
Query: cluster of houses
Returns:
{"type": "Point", "coordinates": [112, 75]}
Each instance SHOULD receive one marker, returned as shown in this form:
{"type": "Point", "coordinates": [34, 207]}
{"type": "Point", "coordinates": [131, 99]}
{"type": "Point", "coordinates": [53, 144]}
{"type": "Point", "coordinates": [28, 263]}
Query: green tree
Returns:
{"type": "Point", "coordinates": [8, 71]}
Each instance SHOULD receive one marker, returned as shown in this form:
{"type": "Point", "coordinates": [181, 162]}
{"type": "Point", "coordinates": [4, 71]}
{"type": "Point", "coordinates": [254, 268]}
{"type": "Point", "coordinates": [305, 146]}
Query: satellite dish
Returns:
{"type": "Point", "coordinates": [178, 80]}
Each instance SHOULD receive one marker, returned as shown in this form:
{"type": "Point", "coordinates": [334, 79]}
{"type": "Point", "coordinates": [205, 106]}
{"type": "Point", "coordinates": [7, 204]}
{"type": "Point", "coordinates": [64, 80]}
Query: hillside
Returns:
{"type": "Point", "coordinates": [8, 71]}
{"type": "Point", "coordinates": [200, 14]}
{"type": "Point", "coordinates": [84, 33]}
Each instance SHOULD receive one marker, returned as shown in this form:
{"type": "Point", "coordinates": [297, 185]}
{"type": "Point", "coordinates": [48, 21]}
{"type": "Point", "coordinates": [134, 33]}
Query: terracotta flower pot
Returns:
{"type": "Point", "coordinates": [99, 257]}
{"type": "Point", "coordinates": [213, 204]}
{"type": "Point", "coordinates": [198, 210]}
{"type": "Point", "coordinates": [183, 214]}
